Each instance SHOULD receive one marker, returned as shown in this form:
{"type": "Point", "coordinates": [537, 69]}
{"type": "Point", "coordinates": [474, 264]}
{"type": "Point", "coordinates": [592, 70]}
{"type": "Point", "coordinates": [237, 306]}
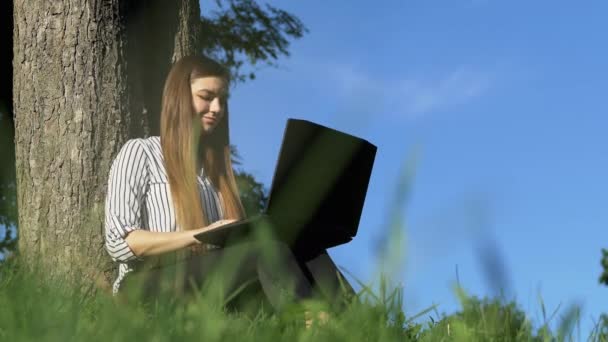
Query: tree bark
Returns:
{"type": "Point", "coordinates": [187, 36]}
{"type": "Point", "coordinates": [87, 77]}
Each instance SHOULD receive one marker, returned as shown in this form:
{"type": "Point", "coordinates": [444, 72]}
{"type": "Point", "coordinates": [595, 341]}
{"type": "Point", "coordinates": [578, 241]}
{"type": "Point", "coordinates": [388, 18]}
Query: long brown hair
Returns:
{"type": "Point", "coordinates": [182, 144]}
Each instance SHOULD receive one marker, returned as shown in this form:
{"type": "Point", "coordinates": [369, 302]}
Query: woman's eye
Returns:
{"type": "Point", "coordinates": [206, 98]}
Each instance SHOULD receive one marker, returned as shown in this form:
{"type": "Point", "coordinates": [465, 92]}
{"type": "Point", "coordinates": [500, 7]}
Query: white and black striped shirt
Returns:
{"type": "Point", "coordinates": [138, 197]}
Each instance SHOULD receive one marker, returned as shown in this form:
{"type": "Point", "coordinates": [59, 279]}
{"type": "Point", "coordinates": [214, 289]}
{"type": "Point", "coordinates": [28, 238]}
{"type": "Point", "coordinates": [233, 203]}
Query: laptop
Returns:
{"type": "Point", "coordinates": [317, 193]}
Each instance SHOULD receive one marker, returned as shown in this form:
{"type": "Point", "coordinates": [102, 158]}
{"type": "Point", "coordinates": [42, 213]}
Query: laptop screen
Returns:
{"type": "Point", "coordinates": [321, 179]}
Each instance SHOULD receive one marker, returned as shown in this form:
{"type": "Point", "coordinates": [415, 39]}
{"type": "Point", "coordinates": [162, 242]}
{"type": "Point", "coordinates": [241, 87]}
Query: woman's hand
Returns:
{"type": "Point", "coordinates": [146, 243]}
{"type": "Point", "coordinates": [214, 225]}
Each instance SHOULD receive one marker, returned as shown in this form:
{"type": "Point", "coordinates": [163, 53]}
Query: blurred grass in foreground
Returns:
{"type": "Point", "coordinates": [32, 310]}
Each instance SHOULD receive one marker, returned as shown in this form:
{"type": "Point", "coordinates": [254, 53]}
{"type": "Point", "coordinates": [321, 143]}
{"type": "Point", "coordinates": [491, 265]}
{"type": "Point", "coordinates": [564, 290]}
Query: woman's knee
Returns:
{"type": "Point", "coordinates": [276, 249]}
{"type": "Point", "coordinates": [275, 254]}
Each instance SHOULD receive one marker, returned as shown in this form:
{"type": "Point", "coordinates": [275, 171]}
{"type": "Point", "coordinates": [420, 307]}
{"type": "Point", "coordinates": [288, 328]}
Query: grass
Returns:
{"type": "Point", "coordinates": [31, 309]}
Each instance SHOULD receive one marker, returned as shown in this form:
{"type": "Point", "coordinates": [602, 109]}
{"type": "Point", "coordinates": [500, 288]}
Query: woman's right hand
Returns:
{"type": "Point", "coordinates": [214, 225]}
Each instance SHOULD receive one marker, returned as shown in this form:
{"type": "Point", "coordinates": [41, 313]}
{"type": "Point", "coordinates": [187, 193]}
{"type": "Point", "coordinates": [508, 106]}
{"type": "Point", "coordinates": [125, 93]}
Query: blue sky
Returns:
{"type": "Point", "coordinates": [498, 107]}
{"type": "Point", "coordinates": [500, 102]}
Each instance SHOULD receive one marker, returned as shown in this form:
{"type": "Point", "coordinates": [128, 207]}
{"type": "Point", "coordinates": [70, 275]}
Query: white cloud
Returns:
{"type": "Point", "coordinates": [410, 96]}
{"type": "Point", "coordinates": [417, 97]}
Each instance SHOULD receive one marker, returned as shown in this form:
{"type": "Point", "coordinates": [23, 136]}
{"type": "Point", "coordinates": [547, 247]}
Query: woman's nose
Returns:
{"type": "Point", "coordinates": [216, 105]}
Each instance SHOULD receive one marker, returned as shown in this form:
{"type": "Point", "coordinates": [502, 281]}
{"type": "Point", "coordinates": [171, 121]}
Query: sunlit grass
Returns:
{"type": "Point", "coordinates": [34, 310]}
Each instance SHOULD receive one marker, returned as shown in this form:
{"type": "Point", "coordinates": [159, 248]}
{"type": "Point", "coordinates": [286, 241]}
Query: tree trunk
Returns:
{"type": "Point", "coordinates": [87, 77]}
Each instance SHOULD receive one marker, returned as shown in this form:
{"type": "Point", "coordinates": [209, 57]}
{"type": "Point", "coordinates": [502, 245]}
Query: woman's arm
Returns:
{"type": "Point", "coordinates": [145, 243]}
{"type": "Point", "coordinates": [125, 240]}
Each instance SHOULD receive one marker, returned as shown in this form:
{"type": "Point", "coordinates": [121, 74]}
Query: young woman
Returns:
{"type": "Point", "coordinates": [164, 190]}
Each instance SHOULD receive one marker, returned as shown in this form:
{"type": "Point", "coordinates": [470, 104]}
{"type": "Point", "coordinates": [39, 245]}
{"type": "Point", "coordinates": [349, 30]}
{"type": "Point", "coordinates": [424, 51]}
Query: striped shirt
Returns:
{"type": "Point", "coordinates": [139, 197]}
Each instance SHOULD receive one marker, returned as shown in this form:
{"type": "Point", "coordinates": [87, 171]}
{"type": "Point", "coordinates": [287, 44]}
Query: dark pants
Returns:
{"type": "Point", "coordinates": [272, 266]}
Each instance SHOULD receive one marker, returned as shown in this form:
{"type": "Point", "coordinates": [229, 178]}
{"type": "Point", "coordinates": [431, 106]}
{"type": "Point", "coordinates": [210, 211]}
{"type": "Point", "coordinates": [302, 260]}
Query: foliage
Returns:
{"type": "Point", "coordinates": [604, 276]}
{"type": "Point", "coordinates": [600, 333]}
{"type": "Point", "coordinates": [243, 32]}
{"type": "Point", "coordinates": [8, 199]}
{"type": "Point", "coordinates": [253, 194]}
{"type": "Point", "coordinates": [493, 319]}
{"type": "Point", "coordinates": [486, 319]}
{"type": "Point", "coordinates": [8, 242]}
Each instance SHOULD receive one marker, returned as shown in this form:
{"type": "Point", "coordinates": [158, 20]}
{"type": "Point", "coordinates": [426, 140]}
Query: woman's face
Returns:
{"type": "Point", "coordinates": [209, 100]}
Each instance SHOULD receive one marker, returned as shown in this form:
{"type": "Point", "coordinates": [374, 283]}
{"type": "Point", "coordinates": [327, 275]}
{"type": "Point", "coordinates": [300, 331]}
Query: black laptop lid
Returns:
{"type": "Point", "coordinates": [320, 181]}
